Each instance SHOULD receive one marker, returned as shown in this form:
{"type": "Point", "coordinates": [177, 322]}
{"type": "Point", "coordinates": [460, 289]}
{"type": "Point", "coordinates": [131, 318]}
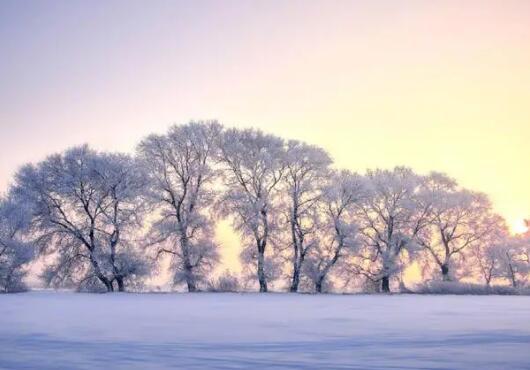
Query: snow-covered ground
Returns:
{"type": "Point", "coordinates": [46, 330]}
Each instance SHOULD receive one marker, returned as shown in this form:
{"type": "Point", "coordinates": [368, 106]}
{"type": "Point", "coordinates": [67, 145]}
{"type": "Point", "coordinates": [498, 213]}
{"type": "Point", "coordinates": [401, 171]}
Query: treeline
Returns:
{"type": "Point", "coordinates": [104, 221]}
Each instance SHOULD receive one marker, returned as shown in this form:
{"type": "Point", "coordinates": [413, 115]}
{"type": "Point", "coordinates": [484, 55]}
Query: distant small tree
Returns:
{"type": "Point", "coordinates": [227, 282]}
{"type": "Point", "coordinates": [487, 255]}
{"type": "Point", "coordinates": [15, 251]}
{"type": "Point", "coordinates": [514, 256]}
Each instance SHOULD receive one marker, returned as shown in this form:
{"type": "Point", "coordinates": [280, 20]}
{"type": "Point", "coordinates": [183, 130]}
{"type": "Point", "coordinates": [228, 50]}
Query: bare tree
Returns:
{"type": "Point", "coordinates": [15, 251]}
{"type": "Point", "coordinates": [338, 226]}
{"type": "Point", "coordinates": [180, 165]}
{"type": "Point", "coordinates": [391, 217]}
{"type": "Point", "coordinates": [255, 164]}
{"type": "Point", "coordinates": [81, 203]}
{"type": "Point", "coordinates": [306, 170]}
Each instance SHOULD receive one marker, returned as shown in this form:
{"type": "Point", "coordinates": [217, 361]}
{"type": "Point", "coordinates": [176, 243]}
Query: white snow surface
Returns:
{"type": "Point", "coordinates": [53, 330]}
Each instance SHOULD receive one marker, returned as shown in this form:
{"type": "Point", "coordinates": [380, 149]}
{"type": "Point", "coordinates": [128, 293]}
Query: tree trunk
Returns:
{"type": "Point", "coordinates": [445, 272]}
{"type": "Point", "coordinates": [385, 284]}
{"type": "Point", "coordinates": [191, 285]}
{"type": "Point", "coordinates": [512, 276]}
{"type": "Point", "coordinates": [297, 270]}
{"type": "Point", "coordinates": [296, 278]}
{"type": "Point", "coordinates": [188, 268]}
{"type": "Point", "coordinates": [107, 283]}
{"type": "Point", "coordinates": [121, 285]}
{"type": "Point", "coordinates": [99, 274]}
{"type": "Point", "coordinates": [261, 271]}
{"type": "Point", "coordinates": [296, 259]}
{"type": "Point", "coordinates": [190, 280]}
{"type": "Point", "coordinates": [318, 285]}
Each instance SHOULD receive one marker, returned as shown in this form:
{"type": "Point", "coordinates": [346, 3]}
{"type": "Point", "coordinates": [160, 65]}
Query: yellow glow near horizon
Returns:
{"type": "Point", "coordinates": [519, 227]}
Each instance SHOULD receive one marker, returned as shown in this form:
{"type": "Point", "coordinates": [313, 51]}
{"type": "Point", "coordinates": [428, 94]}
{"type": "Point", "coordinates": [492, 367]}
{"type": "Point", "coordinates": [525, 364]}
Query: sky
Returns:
{"type": "Point", "coordinates": [439, 85]}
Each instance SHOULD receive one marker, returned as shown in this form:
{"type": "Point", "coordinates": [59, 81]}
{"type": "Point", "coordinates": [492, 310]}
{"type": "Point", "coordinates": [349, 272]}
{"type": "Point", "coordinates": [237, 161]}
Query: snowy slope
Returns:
{"type": "Point", "coordinates": [46, 330]}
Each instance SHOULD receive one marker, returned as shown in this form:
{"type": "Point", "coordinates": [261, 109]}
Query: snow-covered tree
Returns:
{"type": "Point", "coordinates": [15, 251]}
{"type": "Point", "coordinates": [306, 171]}
{"type": "Point", "coordinates": [391, 217]}
{"type": "Point", "coordinates": [180, 166]}
{"type": "Point", "coordinates": [85, 207]}
{"type": "Point", "coordinates": [124, 184]}
{"type": "Point", "coordinates": [460, 219]}
{"type": "Point", "coordinates": [487, 254]}
{"type": "Point", "coordinates": [338, 227]}
{"type": "Point", "coordinates": [255, 164]}
{"type": "Point", "coordinates": [514, 256]}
